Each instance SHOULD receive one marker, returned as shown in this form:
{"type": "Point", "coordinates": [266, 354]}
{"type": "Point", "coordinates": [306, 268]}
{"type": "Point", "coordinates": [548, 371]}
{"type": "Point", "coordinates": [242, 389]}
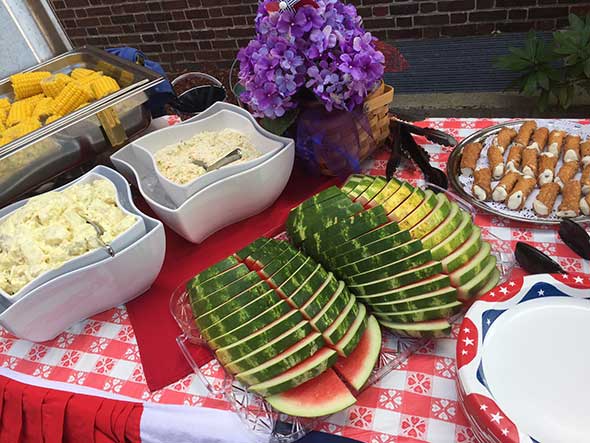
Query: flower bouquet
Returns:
{"type": "Point", "coordinates": [313, 71]}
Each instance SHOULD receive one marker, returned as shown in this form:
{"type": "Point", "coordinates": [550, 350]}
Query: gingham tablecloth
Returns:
{"type": "Point", "coordinates": [417, 402]}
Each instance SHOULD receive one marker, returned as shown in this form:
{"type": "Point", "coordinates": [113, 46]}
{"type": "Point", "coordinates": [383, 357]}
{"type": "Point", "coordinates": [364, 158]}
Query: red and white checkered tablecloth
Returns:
{"type": "Point", "coordinates": [417, 402]}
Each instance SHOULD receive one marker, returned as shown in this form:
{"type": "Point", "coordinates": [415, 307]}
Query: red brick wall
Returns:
{"type": "Point", "coordinates": [206, 34]}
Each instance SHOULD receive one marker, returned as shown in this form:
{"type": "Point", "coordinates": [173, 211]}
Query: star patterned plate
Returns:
{"type": "Point", "coordinates": [523, 362]}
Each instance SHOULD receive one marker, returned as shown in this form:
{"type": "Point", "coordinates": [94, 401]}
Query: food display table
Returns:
{"type": "Point", "coordinates": [417, 402]}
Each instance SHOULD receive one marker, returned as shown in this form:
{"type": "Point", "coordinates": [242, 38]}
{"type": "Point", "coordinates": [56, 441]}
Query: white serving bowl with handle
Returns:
{"type": "Point", "coordinates": [219, 117]}
{"type": "Point", "coordinates": [83, 291]}
{"type": "Point", "coordinates": [225, 201]}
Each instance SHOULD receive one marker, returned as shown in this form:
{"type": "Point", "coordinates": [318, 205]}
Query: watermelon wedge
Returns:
{"type": "Point", "coordinates": [323, 395]}
{"type": "Point", "coordinates": [357, 367]}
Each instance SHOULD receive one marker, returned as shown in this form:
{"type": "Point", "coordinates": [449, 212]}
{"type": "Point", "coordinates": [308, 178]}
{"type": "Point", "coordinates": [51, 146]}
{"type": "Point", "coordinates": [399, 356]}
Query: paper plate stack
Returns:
{"type": "Point", "coordinates": [523, 365]}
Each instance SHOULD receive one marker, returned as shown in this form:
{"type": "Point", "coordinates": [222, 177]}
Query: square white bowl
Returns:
{"type": "Point", "coordinates": [119, 243]}
{"type": "Point", "coordinates": [52, 307]}
{"type": "Point", "coordinates": [219, 117]}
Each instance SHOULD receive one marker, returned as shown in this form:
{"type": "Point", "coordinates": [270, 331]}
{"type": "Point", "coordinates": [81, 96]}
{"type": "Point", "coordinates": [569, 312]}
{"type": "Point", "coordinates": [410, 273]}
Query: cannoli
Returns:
{"type": "Point", "coordinates": [514, 158]}
{"type": "Point", "coordinates": [586, 180]}
{"type": "Point", "coordinates": [469, 158]}
{"type": "Point", "coordinates": [546, 170]}
{"type": "Point", "coordinates": [529, 162]}
{"type": "Point", "coordinates": [523, 188]}
{"type": "Point", "coordinates": [570, 205]}
{"type": "Point", "coordinates": [539, 139]}
{"type": "Point", "coordinates": [543, 204]}
{"type": "Point", "coordinates": [505, 186]}
{"type": "Point", "coordinates": [585, 152]}
{"type": "Point", "coordinates": [504, 138]}
{"type": "Point", "coordinates": [496, 161]}
{"type": "Point", "coordinates": [585, 205]}
{"type": "Point", "coordinates": [482, 184]}
{"type": "Point", "coordinates": [572, 148]}
{"type": "Point", "coordinates": [555, 142]}
{"type": "Point", "coordinates": [566, 173]}
{"type": "Point", "coordinates": [525, 132]}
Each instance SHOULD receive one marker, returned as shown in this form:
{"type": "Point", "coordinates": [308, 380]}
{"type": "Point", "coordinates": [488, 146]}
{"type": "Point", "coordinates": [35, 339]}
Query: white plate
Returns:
{"type": "Point", "coordinates": [118, 244]}
{"type": "Point", "coordinates": [522, 361]}
{"type": "Point", "coordinates": [219, 117]}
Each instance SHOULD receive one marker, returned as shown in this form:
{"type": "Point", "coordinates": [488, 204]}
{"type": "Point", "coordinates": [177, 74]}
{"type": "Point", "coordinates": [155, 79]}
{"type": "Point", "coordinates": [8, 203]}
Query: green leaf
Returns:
{"type": "Point", "coordinates": [512, 63]}
{"type": "Point", "coordinates": [280, 125]}
{"type": "Point", "coordinates": [519, 52]}
{"type": "Point", "coordinates": [543, 80]}
{"type": "Point", "coordinates": [530, 45]}
{"type": "Point", "coordinates": [530, 87]}
{"type": "Point", "coordinates": [576, 23]}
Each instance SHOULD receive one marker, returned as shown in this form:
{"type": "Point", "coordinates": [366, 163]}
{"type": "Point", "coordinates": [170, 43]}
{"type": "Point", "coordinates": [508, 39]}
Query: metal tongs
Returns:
{"type": "Point", "coordinates": [233, 156]}
{"type": "Point", "coordinates": [99, 232]}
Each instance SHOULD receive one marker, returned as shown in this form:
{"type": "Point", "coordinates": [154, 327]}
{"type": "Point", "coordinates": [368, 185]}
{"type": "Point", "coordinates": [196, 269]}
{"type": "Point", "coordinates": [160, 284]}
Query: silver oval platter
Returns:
{"type": "Point", "coordinates": [463, 184]}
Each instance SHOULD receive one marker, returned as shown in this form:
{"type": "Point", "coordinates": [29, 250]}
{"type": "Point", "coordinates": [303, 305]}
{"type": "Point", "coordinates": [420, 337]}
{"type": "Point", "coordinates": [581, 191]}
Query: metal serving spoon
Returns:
{"type": "Point", "coordinates": [99, 232]}
{"type": "Point", "coordinates": [233, 156]}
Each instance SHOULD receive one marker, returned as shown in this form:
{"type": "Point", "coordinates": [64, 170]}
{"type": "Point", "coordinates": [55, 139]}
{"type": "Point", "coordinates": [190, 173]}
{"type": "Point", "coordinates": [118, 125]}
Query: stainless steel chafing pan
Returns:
{"type": "Point", "coordinates": [82, 135]}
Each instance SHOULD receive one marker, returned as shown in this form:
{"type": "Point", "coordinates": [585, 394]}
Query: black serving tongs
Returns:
{"type": "Point", "coordinates": [575, 237]}
{"type": "Point", "coordinates": [534, 261]}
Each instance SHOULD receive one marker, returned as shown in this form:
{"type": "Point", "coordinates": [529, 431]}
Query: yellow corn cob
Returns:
{"type": "Point", "coordinates": [20, 111]}
{"type": "Point", "coordinates": [86, 83]}
{"type": "Point", "coordinates": [2, 128]}
{"type": "Point", "coordinates": [53, 118]}
{"type": "Point", "coordinates": [23, 128]}
{"type": "Point", "coordinates": [3, 115]}
{"type": "Point", "coordinates": [43, 108]}
{"type": "Point", "coordinates": [53, 85]}
{"type": "Point", "coordinates": [27, 84]}
{"type": "Point", "coordinates": [78, 73]}
{"type": "Point", "coordinates": [104, 86]}
{"type": "Point", "coordinates": [69, 99]}
{"type": "Point", "coordinates": [4, 103]}
{"type": "Point", "coordinates": [34, 100]}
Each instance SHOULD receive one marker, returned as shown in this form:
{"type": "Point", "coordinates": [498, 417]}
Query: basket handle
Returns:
{"type": "Point", "coordinates": [380, 100]}
{"type": "Point", "coordinates": [212, 79]}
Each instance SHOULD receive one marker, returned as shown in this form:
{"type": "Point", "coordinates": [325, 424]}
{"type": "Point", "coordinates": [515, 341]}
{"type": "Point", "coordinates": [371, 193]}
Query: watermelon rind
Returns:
{"type": "Point", "coordinates": [363, 185]}
{"type": "Point", "coordinates": [346, 345]}
{"type": "Point", "coordinates": [278, 264]}
{"type": "Point", "coordinates": [358, 366]}
{"type": "Point", "coordinates": [232, 335]}
{"type": "Point", "coordinates": [434, 219]}
{"type": "Point", "coordinates": [426, 299]}
{"type": "Point", "coordinates": [418, 289]}
{"type": "Point", "coordinates": [418, 214]}
{"type": "Point", "coordinates": [352, 183]}
{"type": "Point", "coordinates": [428, 329]}
{"type": "Point", "coordinates": [390, 269]}
{"type": "Point", "coordinates": [290, 277]}
{"type": "Point", "coordinates": [388, 190]}
{"type": "Point", "coordinates": [300, 296]}
{"type": "Point", "coordinates": [319, 299]}
{"type": "Point", "coordinates": [212, 285]}
{"type": "Point", "coordinates": [324, 395]}
{"type": "Point", "coordinates": [408, 206]}
{"type": "Point", "coordinates": [398, 197]}
{"type": "Point", "coordinates": [492, 282]}
{"type": "Point", "coordinates": [214, 299]}
{"type": "Point", "coordinates": [259, 337]}
{"type": "Point", "coordinates": [299, 216]}
{"type": "Point", "coordinates": [470, 269]}
{"type": "Point", "coordinates": [455, 240]}
{"type": "Point", "coordinates": [464, 253]}
{"type": "Point", "coordinates": [445, 228]}
{"type": "Point", "coordinates": [423, 314]}
{"type": "Point", "coordinates": [271, 349]}
{"type": "Point", "coordinates": [246, 251]}
{"type": "Point", "coordinates": [333, 307]}
{"type": "Point", "coordinates": [284, 361]}
{"type": "Point", "coordinates": [376, 187]}
{"type": "Point", "coordinates": [263, 256]}
{"type": "Point", "coordinates": [326, 194]}
{"type": "Point", "coordinates": [342, 323]}
{"type": "Point", "coordinates": [326, 219]}
{"type": "Point", "coordinates": [469, 289]}
{"type": "Point", "coordinates": [212, 271]}
{"type": "Point", "coordinates": [297, 375]}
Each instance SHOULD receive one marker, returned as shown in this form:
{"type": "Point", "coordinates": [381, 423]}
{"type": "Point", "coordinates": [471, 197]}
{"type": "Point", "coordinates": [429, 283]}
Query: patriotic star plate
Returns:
{"type": "Point", "coordinates": [522, 361]}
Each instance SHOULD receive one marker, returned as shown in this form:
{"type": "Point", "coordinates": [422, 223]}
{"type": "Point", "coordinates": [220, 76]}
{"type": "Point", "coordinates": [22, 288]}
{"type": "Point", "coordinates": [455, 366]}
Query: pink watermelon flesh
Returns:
{"type": "Point", "coordinates": [322, 395]}
{"type": "Point", "coordinates": [357, 367]}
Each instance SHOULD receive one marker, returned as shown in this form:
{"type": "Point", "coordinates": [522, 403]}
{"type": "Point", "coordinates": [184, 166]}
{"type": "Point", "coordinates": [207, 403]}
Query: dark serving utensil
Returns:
{"type": "Point", "coordinates": [575, 237]}
{"type": "Point", "coordinates": [431, 134]}
{"type": "Point", "coordinates": [534, 261]}
{"type": "Point", "coordinates": [395, 156]}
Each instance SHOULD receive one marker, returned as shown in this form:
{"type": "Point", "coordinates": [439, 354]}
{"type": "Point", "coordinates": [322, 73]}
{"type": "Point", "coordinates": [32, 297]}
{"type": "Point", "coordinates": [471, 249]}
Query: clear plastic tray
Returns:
{"type": "Point", "coordinates": [255, 412]}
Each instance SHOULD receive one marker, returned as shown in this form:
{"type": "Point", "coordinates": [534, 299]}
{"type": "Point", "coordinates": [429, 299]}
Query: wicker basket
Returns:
{"type": "Point", "coordinates": [376, 108]}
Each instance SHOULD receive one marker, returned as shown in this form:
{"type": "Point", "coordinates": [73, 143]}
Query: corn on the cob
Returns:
{"type": "Point", "coordinates": [104, 86]}
{"type": "Point", "coordinates": [2, 128]}
{"type": "Point", "coordinates": [27, 84]}
{"type": "Point", "coordinates": [20, 111]}
{"type": "Point", "coordinates": [34, 100]}
{"type": "Point", "coordinates": [86, 83]}
{"type": "Point", "coordinates": [53, 118]}
{"type": "Point", "coordinates": [3, 115]}
{"type": "Point", "coordinates": [4, 103]}
{"type": "Point", "coordinates": [23, 128]}
{"type": "Point", "coordinates": [79, 73]}
{"type": "Point", "coordinates": [69, 99]}
{"type": "Point", "coordinates": [53, 85]}
{"type": "Point", "coordinates": [43, 109]}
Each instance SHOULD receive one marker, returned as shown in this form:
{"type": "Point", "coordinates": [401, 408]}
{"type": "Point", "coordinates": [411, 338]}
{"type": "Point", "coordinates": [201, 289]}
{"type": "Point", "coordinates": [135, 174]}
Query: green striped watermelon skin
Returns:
{"type": "Point", "coordinates": [464, 253]}
{"type": "Point", "coordinates": [342, 323]}
{"type": "Point", "coordinates": [259, 338]}
{"type": "Point", "coordinates": [323, 320]}
{"type": "Point", "coordinates": [468, 271]}
{"type": "Point", "coordinates": [455, 240]}
{"type": "Point", "coordinates": [296, 269]}
{"type": "Point", "coordinates": [214, 284]}
{"type": "Point", "coordinates": [430, 299]}
{"type": "Point", "coordinates": [284, 361]}
{"type": "Point", "coordinates": [230, 336]}
{"type": "Point", "coordinates": [352, 183]}
{"type": "Point", "coordinates": [326, 194]}
{"type": "Point", "coordinates": [213, 271]}
{"type": "Point", "coordinates": [270, 349]}
{"type": "Point", "coordinates": [298, 216]}
{"type": "Point", "coordinates": [249, 249]}
{"type": "Point", "coordinates": [409, 205]}
{"type": "Point", "coordinates": [391, 269]}
{"type": "Point", "coordinates": [363, 185]}
{"type": "Point", "coordinates": [370, 193]}
{"type": "Point", "coordinates": [315, 305]}
{"type": "Point", "coordinates": [296, 278]}
{"type": "Point", "coordinates": [263, 256]}
{"type": "Point", "coordinates": [434, 219]}
{"type": "Point", "coordinates": [429, 329]}
{"type": "Point", "coordinates": [280, 262]}
{"type": "Point", "coordinates": [388, 190]}
{"type": "Point", "coordinates": [317, 223]}
{"type": "Point", "coordinates": [426, 286]}
{"type": "Point", "coordinates": [384, 258]}
{"type": "Point", "coordinates": [352, 337]}
{"type": "Point", "coordinates": [300, 296]}
{"type": "Point", "coordinates": [425, 314]}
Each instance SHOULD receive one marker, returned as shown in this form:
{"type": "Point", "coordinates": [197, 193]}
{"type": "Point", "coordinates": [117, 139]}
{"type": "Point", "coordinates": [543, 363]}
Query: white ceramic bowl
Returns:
{"type": "Point", "coordinates": [220, 117]}
{"type": "Point", "coordinates": [218, 205]}
{"type": "Point", "coordinates": [118, 244]}
{"type": "Point", "coordinates": [57, 304]}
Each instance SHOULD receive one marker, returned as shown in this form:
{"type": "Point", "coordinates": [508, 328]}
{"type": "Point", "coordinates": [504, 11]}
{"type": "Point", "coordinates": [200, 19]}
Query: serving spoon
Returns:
{"type": "Point", "coordinates": [233, 156]}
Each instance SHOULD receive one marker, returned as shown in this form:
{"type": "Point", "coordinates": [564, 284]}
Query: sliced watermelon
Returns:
{"type": "Point", "coordinates": [418, 289]}
{"type": "Point", "coordinates": [408, 206]}
{"type": "Point", "coordinates": [445, 228]}
{"type": "Point", "coordinates": [321, 197]}
{"type": "Point", "coordinates": [464, 253]}
{"type": "Point", "coordinates": [321, 297]}
{"type": "Point", "coordinates": [473, 286]}
{"type": "Point", "coordinates": [363, 185]}
{"type": "Point", "coordinates": [323, 395]}
{"type": "Point", "coordinates": [301, 295]}
{"type": "Point", "coordinates": [398, 197]}
{"type": "Point", "coordinates": [374, 189]}
{"type": "Point", "coordinates": [338, 329]}
{"type": "Point", "coordinates": [434, 219]}
{"type": "Point", "coordinates": [388, 190]}
{"type": "Point", "coordinates": [297, 375]}
{"type": "Point", "coordinates": [245, 252]}
{"type": "Point", "coordinates": [474, 266]}
{"type": "Point", "coordinates": [281, 260]}
{"type": "Point", "coordinates": [352, 183]}
{"type": "Point", "coordinates": [333, 307]}
{"type": "Point", "coordinates": [291, 276]}
{"type": "Point", "coordinates": [352, 337]}
{"type": "Point", "coordinates": [490, 284]}
{"type": "Point", "coordinates": [455, 240]}
{"type": "Point", "coordinates": [263, 256]}
{"type": "Point", "coordinates": [202, 290]}
{"type": "Point", "coordinates": [284, 361]}
{"type": "Point", "coordinates": [216, 269]}
{"type": "Point", "coordinates": [299, 216]}
{"type": "Point", "coordinates": [423, 314]}
{"type": "Point", "coordinates": [426, 299]}
{"type": "Point", "coordinates": [434, 328]}
{"type": "Point", "coordinates": [418, 214]}
{"type": "Point", "coordinates": [392, 268]}
{"type": "Point", "coordinates": [358, 366]}
{"type": "Point", "coordinates": [318, 223]}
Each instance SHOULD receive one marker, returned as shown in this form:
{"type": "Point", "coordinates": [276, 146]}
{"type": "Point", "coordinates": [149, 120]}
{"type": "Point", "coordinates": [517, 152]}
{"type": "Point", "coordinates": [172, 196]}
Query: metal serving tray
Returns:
{"type": "Point", "coordinates": [82, 135]}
